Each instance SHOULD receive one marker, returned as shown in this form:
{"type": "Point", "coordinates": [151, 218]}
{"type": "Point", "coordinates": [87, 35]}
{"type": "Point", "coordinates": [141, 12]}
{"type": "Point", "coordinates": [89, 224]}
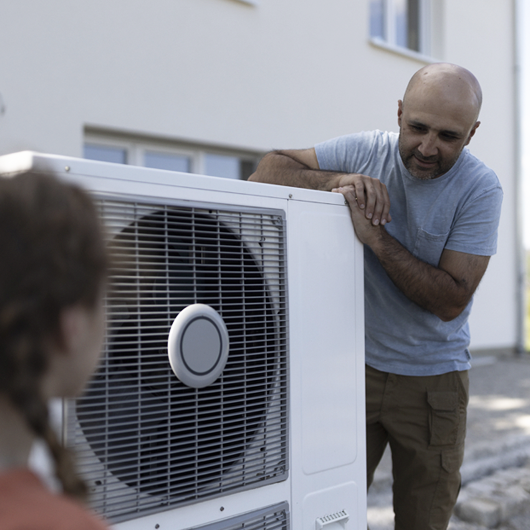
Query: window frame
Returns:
{"type": "Point", "coordinates": [136, 148]}
{"type": "Point", "coordinates": [389, 41]}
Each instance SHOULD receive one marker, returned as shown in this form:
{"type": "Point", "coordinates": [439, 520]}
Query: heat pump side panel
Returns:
{"type": "Point", "coordinates": [327, 365]}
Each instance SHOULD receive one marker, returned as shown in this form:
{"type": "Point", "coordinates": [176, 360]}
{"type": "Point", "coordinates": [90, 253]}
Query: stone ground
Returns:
{"type": "Point", "coordinates": [496, 470]}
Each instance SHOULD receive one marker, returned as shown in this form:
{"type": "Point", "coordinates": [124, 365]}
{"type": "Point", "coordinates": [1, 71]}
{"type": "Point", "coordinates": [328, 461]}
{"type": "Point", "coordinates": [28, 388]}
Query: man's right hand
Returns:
{"type": "Point", "coordinates": [370, 194]}
{"type": "Point", "coordinates": [300, 168]}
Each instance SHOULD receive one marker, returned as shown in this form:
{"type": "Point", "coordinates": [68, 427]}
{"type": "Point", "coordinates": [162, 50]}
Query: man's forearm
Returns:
{"type": "Point", "coordinates": [300, 168]}
{"type": "Point", "coordinates": [431, 288]}
{"type": "Point", "coordinates": [444, 290]}
{"type": "Point", "coordinates": [277, 167]}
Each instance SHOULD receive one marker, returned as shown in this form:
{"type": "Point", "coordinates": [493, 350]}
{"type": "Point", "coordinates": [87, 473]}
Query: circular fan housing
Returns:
{"type": "Point", "coordinates": [152, 431]}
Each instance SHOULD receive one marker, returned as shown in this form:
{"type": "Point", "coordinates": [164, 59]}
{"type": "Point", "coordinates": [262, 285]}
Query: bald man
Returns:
{"type": "Point", "coordinates": [427, 212]}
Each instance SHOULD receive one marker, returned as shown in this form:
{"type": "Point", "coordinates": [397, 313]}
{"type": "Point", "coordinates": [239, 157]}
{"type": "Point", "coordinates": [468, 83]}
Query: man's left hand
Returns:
{"type": "Point", "coordinates": [367, 231]}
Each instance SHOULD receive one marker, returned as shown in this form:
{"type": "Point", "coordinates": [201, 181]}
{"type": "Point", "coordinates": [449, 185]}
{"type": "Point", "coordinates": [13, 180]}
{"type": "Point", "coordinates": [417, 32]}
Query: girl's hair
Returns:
{"type": "Point", "coordinates": [52, 256]}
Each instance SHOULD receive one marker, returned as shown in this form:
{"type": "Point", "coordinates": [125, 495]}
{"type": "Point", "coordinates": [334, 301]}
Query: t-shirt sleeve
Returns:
{"type": "Point", "coordinates": [475, 228]}
{"type": "Point", "coordinates": [346, 153]}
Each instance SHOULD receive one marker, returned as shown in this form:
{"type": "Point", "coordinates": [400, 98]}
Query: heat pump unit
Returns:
{"type": "Point", "coordinates": [230, 393]}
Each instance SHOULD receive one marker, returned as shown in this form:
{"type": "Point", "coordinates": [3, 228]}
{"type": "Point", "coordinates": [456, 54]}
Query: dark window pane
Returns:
{"type": "Point", "coordinates": [414, 25]}
{"type": "Point", "coordinates": [246, 168]}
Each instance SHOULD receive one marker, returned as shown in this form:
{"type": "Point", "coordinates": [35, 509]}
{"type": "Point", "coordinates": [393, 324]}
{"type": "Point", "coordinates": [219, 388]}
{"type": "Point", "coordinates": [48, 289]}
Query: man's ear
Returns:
{"type": "Point", "coordinates": [472, 132]}
{"type": "Point", "coordinates": [400, 111]}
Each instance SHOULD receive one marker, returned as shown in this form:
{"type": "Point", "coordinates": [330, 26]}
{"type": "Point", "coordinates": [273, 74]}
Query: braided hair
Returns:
{"type": "Point", "coordinates": [53, 257]}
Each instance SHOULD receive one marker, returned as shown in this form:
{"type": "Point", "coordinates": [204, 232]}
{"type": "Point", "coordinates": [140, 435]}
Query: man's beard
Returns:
{"type": "Point", "coordinates": [439, 168]}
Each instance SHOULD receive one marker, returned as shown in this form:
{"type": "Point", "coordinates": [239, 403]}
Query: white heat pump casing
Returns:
{"type": "Point", "coordinates": [324, 280]}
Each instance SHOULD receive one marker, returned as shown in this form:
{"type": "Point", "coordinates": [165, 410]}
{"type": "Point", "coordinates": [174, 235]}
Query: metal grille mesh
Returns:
{"type": "Point", "coordinates": [145, 442]}
{"type": "Point", "coordinates": [271, 518]}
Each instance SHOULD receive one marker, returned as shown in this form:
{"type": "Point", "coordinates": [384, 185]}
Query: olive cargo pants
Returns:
{"type": "Point", "coordinates": [424, 421]}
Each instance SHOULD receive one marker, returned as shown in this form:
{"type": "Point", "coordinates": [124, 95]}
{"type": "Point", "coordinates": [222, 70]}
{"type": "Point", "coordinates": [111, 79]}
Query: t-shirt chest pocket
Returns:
{"type": "Point", "coordinates": [429, 247]}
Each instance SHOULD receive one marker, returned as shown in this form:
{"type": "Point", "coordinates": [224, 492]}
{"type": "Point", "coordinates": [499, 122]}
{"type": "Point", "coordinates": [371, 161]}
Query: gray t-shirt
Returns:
{"type": "Point", "coordinates": [459, 211]}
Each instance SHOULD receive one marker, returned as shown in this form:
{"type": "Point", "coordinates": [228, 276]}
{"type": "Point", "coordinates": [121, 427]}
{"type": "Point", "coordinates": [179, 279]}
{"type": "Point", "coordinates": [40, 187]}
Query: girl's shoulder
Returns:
{"type": "Point", "coordinates": [21, 488]}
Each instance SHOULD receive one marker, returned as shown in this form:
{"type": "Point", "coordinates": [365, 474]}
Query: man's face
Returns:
{"type": "Point", "coordinates": [433, 134]}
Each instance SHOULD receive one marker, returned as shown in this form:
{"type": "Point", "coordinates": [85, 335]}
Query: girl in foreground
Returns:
{"type": "Point", "coordinates": [52, 274]}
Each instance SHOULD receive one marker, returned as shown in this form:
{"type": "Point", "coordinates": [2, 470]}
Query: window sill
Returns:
{"type": "Point", "coordinates": [404, 52]}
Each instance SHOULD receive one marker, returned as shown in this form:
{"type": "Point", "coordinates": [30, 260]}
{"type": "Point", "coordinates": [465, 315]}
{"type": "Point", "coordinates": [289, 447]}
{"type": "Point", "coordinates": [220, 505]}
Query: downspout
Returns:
{"type": "Point", "coordinates": [519, 198]}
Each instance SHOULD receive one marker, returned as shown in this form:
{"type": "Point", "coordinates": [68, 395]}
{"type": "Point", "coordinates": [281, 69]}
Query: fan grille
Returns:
{"type": "Point", "coordinates": [145, 442]}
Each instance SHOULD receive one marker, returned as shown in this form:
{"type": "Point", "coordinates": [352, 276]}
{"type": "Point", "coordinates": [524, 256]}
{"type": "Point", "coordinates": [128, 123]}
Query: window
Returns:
{"type": "Point", "coordinates": [105, 153]}
{"type": "Point", "coordinates": [167, 161]}
{"type": "Point", "coordinates": [226, 166]}
{"type": "Point", "coordinates": [170, 156]}
{"type": "Point", "coordinates": [402, 24]}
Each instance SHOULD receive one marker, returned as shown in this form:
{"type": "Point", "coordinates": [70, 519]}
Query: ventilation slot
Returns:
{"type": "Point", "coordinates": [145, 441]}
{"type": "Point", "coordinates": [271, 518]}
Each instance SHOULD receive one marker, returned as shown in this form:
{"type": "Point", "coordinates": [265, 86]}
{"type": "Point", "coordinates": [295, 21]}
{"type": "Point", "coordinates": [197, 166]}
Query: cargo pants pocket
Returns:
{"type": "Point", "coordinates": [443, 418]}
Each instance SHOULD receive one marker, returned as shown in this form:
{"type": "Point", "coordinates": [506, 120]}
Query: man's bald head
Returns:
{"type": "Point", "coordinates": [437, 118]}
{"type": "Point", "coordinates": [446, 82]}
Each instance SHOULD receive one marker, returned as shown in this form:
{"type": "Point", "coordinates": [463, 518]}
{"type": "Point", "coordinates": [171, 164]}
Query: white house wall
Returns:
{"type": "Point", "coordinates": [494, 318]}
{"type": "Point", "coordinates": [224, 73]}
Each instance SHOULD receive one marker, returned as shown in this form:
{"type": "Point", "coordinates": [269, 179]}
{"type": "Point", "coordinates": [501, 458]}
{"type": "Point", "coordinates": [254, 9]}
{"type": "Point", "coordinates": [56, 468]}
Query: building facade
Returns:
{"type": "Point", "coordinates": [208, 86]}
